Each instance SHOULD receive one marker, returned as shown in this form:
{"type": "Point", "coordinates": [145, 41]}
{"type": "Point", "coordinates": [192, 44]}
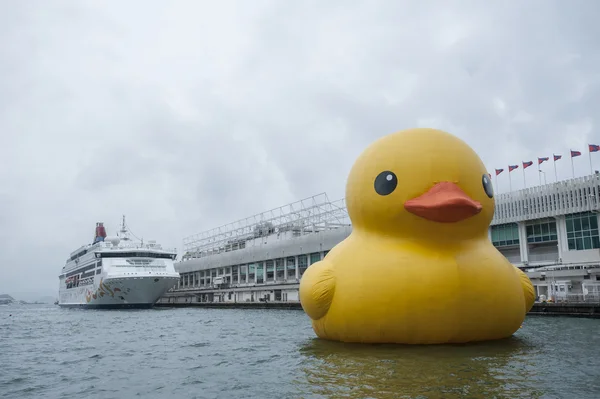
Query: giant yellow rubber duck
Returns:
{"type": "Point", "coordinates": [418, 267]}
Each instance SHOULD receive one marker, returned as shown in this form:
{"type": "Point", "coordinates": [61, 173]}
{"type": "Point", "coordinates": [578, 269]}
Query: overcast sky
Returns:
{"type": "Point", "coordinates": [185, 115]}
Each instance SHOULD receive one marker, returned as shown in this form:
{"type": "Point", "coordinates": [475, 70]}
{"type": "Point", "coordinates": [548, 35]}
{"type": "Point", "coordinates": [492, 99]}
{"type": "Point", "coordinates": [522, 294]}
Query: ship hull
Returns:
{"type": "Point", "coordinates": [118, 292]}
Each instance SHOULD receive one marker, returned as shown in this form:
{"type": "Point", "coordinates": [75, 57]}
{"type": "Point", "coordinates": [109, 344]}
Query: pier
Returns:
{"type": "Point", "coordinates": [588, 310]}
{"type": "Point", "coordinates": [232, 305]}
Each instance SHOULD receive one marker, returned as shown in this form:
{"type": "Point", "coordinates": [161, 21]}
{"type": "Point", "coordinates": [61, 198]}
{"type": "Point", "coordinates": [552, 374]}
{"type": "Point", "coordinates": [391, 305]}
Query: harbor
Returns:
{"type": "Point", "coordinates": [299, 200]}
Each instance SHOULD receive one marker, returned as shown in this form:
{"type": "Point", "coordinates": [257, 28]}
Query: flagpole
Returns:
{"type": "Point", "coordinates": [540, 173]}
{"type": "Point", "coordinates": [524, 182]}
{"type": "Point", "coordinates": [555, 175]}
{"type": "Point", "coordinates": [591, 169]}
{"type": "Point", "coordinates": [572, 166]}
{"type": "Point", "coordinates": [496, 179]}
{"type": "Point", "coordinates": [509, 181]}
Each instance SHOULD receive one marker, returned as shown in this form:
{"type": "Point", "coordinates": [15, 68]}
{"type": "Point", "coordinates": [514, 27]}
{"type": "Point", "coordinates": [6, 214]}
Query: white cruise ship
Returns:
{"type": "Point", "coordinates": [116, 272]}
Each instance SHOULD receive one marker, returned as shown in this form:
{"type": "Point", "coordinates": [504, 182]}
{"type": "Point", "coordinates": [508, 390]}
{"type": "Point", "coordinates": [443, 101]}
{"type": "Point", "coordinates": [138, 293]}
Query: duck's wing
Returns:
{"type": "Point", "coordinates": [317, 287]}
{"type": "Point", "coordinates": [528, 289]}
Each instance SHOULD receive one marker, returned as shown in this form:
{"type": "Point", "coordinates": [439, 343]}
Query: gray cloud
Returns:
{"type": "Point", "coordinates": [189, 115]}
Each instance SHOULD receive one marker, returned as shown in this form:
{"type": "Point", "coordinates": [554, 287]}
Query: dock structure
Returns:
{"type": "Point", "coordinates": [549, 231]}
{"type": "Point", "coordinates": [262, 257]}
{"type": "Point", "coordinates": [586, 310]}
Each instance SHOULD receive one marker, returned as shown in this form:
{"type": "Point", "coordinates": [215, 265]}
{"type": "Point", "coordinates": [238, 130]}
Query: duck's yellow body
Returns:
{"type": "Point", "coordinates": [419, 267]}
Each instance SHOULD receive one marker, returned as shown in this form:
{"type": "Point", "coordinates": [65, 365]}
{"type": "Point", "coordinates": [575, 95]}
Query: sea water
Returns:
{"type": "Point", "coordinates": [50, 352]}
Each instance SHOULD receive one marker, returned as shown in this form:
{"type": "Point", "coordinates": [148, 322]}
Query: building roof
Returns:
{"type": "Point", "coordinates": [549, 200]}
{"type": "Point", "coordinates": [272, 248]}
{"type": "Point", "coordinates": [307, 216]}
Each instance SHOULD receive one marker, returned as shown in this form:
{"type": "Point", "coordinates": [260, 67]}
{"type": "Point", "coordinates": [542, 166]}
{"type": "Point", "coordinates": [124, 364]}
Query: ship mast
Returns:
{"type": "Point", "coordinates": [124, 234]}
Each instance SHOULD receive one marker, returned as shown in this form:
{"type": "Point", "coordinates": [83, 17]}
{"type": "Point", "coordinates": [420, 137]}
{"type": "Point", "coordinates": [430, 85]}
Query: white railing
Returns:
{"type": "Point", "coordinates": [576, 298]}
{"type": "Point", "coordinates": [515, 259]}
{"type": "Point", "coordinates": [142, 268]}
{"type": "Point", "coordinates": [569, 266]}
{"type": "Point", "coordinates": [136, 245]}
{"type": "Point", "coordinates": [543, 257]}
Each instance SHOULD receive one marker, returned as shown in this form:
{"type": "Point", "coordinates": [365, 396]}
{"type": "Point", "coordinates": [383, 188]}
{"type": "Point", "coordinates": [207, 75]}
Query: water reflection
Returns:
{"type": "Point", "coordinates": [499, 369]}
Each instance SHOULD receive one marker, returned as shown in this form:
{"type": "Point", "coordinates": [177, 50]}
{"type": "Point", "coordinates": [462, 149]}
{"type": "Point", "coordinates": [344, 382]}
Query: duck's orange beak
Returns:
{"type": "Point", "coordinates": [444, 203]}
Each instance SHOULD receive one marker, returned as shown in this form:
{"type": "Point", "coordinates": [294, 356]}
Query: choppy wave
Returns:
{"type": "Point", "coordinates": [49, 352]}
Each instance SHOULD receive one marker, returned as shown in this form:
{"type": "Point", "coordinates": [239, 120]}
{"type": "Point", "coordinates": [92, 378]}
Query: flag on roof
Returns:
{"type": "Point", "coordinates": [594, 147]}
{"type": "Point", "coordinates": [512, 167]}
{"type": "Point", "coordinates": [498, 171]}
{"type": "Point", "coordinates": [557, 157]}
{"type": "Point", "coordinates": [541, 160]}
{"type": "Point", "coordinates": [527, 164]}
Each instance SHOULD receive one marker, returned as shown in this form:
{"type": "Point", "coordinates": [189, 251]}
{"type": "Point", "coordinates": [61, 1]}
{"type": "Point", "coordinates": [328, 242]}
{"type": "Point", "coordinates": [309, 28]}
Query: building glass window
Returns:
{"type": "Point", "coordinates": [291, 266]}
{"type": "Point", "coordinates": [542, 231]}
{"type": "Point", "coordinates": [260, 273]}
{"type": "Point", "coordinates": [279, 267]}
{"type": "Point", "coordinates": [582, 231]}
{"type": "Point", "coordinates": [302, 264]}
{"type": "Point", "coordinates": [315, 257]}
{"type": "Point", "coordinates": [234, 274]}
{"type": "Point", "coordinates": [505, 234]}
{"type": "Point", "coordinates": [243, 272]}
{"type": "Point", "coordinates": [251, 272]}
{"type": "Point", "coordinates": [270, 270]}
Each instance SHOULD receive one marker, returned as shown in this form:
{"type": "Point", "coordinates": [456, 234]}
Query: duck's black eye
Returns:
{"type": "Point", "coordinates": [385, 183]}
{"type": "Point", "coordinates": [487, 186]}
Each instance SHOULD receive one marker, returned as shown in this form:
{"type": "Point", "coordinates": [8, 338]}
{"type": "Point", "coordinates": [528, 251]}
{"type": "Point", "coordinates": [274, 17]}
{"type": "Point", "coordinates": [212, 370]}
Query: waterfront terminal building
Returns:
{"type": "Point", "coordinates": [550, 231]}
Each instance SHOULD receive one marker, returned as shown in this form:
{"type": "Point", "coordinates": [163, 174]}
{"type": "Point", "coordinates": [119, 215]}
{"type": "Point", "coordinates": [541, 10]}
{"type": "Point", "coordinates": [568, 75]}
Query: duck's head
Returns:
{"type": "Point", "coordinates": [421, 184]}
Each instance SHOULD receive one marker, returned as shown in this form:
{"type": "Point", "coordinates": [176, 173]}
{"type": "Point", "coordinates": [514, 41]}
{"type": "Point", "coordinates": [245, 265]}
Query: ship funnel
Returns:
{"type": "Point", "coordinates": [100, 232]}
